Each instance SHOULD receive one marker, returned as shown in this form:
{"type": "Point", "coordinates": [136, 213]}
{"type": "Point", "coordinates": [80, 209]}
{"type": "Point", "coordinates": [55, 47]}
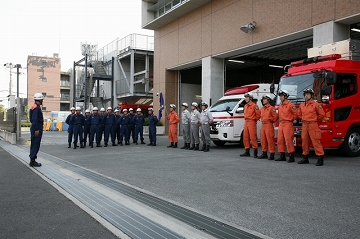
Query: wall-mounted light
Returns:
{"type": "Point", "coordinates": [276, 66]}
{"type": "Point", "coordinates": [248, 28]}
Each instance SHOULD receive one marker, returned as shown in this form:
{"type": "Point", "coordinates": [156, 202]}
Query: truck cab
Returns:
{"type": "Point", "coordinates": [228, 113]}
{"type": "Point", "coordinates": [335, 80]}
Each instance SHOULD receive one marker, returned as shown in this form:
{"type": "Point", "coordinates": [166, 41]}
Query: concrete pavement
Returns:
{"type": "Point", "coordinates": [277, 199]}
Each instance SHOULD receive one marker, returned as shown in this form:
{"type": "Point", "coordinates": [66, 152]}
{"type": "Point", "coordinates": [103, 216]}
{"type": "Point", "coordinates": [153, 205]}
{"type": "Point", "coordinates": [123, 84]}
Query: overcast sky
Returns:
{"type": "Point", "coordinates": [44, 27]}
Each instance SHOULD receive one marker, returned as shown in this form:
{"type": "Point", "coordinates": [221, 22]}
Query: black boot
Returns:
{"type": "Point", "coordinates": [121, 143]}
{"type": "Point", "coordinates": [184, 147]}
{"type": "Point", "coordinates": [69, 145]}
{"type": "Point", "coordinates": [127, 143]}
{"type": "Point", "coordinates": [291, 159]}
{"type": "Point", "coordinates": [154, 144]}
{"type": "Point", "coordinates": [171, 145]}
{"type": "Point", "coordinates": [136, 143]}
{"type": "Point", "coordinates": [113, 144]}
{"type": "Point", "coordinates": [98, 145]}
{"type": "Point", "coordinates": [203, 147]}
{"type": "Point", "coordinates": [33, 163]}
{"type": "Point", "coordinates": [142, 142]}
{"type": "Point", "coordinates": [150, 144]}
{"type": "Point", "coordinates": [105, 145]}
{"type": "Point", "coordinates": [75, 146]}
{"type": "Point", "coordinates": [320, 161]}
{"type": "Point", "coordinates": [263, 156]}
{"type": "Point", "coordinates": [91, 146]}
{"type": "Point", "coordinates": [207, 149]}
{"type": "Point", "coordinates": [187, 146]}
{"type": "Point", "coordinates": [246, 154]}
{"type": "Point", "coordinates": [196, 147]}
{"type": "Point", "coordinates": [305, 160]}
{"type": "Point", "coordinates": [175, 145]}
{"type": "Point", "coordinates": [282, 157]}
{"type": "Point", "coordinates": [272, 156]}
{"type": "Point", "coordinates": [192, 147]}
{"type": "Point", "coordinates": [255, 153]}
{"type": "Point", "coordinates": [82, 145]}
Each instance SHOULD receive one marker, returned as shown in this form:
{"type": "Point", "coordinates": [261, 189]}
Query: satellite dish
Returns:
{"type": "Point", "coordinates": [248, 28]}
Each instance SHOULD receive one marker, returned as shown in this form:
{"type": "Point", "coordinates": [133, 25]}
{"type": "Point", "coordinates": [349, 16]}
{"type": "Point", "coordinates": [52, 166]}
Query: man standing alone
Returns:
{"type": "Point", "coordinates": [36, 129]}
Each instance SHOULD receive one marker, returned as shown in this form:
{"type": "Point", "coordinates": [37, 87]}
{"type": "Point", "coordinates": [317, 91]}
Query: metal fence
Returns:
{"type": "Point", "coordinates": [10, 123]}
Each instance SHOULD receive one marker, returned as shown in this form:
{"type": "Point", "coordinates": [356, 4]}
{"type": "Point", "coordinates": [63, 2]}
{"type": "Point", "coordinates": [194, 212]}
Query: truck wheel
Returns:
{"type": "Point", "coordinates": [241, 141]}
{"type": "Point", "coordinates": [351, 144]}
{"type": "Point", "coordinates": [219, 143]}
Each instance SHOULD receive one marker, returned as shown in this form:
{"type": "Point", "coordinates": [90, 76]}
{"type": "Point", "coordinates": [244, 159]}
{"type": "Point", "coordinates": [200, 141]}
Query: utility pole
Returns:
{"type": "Point", "coordinates": [11, 66]}
{"type": "Point", "coordinates": [18, 109]}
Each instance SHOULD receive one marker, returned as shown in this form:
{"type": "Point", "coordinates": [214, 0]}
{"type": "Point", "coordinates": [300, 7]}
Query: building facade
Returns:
{"type": "Point", "coordinates": [44, 76]}
{"type": "Point", "coordinates": [203, 47]}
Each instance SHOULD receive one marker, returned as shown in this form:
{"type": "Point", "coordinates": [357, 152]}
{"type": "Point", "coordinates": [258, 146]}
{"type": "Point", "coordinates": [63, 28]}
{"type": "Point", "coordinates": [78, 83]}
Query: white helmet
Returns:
{"type": "Point", "coordinates": [185, 104]}
{"type": "Point", "coordinates": [249, 94]}
{"type": "Point", "coordinates": [138, 110]}
{"type": "Point", "coordinates": [204, 103]}
{"type": "Point", "coordinates": [72, 108]}
{"type": "Point", "coordinates": [116, 110]}
{"type": "Point", "coordinates": [102, 109]}
{"type": "Point", "coordinates": [173, 106]}
{"type": "Point", "coordinates": [87, 111]}
{"type": "Point", "coordinates": [151, 109]}
{"type": "Point", "coordinates": [38, 96]}
{"type": "Point", "coordinates": [131, 109]}
{"type": "Point", "coordinates": [125, 110]}
{"type": "Point", "coordinates": [95, 108]}
{"type": "Point", "coordinates": [78, 108]}
{"type": "Point", "coordinates": [109, 108]}
{"type": "Point", "coordinates": [284, 93]}
{"type": "Point", "coordinates": [194, 104]}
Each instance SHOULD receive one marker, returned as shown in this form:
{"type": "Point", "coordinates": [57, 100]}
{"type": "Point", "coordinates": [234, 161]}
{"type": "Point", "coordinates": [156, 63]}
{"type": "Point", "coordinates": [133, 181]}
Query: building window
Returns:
{"type": "Point", "coordinates": [44, 108]}
{"type": "Point", "coordinates": [161, 11]}
{"type": "Point", "coordinates": [167, 7]}
{"type": "Point", "coordinates": [44, 63]}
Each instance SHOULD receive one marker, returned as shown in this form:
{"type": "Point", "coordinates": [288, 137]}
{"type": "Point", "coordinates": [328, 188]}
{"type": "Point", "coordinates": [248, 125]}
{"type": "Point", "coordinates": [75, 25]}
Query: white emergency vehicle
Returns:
{"type": "Point", "coordinates": [228, 113]}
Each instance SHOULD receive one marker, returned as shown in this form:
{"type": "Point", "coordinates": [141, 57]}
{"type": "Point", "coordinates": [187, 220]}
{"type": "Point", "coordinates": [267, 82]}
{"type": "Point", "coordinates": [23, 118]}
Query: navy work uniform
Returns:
{"type": "Point", "coordinates": [185, 120]}
{"type": "Point", "coordinates": [152, 120]}
{"type": "Point", "coordinates": [117, 125]}
{"type": "Point", "coordinates": [87, 125]}
{"type": "Point", "coordinates": [78, 122]}
{"type": "Point", "coordinates": [139, 120]}
{"type": "Point", "coordinates": [71, 127]}
{"type": "Point", "coordinates": [124, 130]}
{"type": "Point", "coordinates": [109, 127]}
{"type": "Point", "coordinates": [206, 120]}
{"type": "Point", "coordinates": [131, 126]}
{"type": "Point", "coordinates": [95, 128]}
{"type": "Point", "coordinates": [36, 129]}
{"type": "Point", "coordinates": [102, 123]}
{"type": "Point", "coordinates": [194, 127]}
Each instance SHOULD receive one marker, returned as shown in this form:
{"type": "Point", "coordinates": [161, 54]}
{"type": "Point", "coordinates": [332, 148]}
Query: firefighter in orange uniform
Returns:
{"type": "Point", "coordinates": [310, 113]}
{"type": "Point", "coordinates": [268, 118]}
{"type": "Point", "coordinates": [251, 115]}
{"type": "Point", "coordinates": [287, 114]}
{"type": "Point", "coordinates": [173, 119]}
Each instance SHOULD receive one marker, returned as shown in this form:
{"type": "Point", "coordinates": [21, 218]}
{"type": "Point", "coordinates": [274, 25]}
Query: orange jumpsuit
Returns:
{"type": "Point", "coordinates": [251, 115]}
{"type": "Point", "coordinates": [173, 119]}
{"type": "Point", "coordinates": [268, 118]}
{"type": "Point", "coordinates": [311, 113]}
{"type": "Point", "coordinates": [287, 114]}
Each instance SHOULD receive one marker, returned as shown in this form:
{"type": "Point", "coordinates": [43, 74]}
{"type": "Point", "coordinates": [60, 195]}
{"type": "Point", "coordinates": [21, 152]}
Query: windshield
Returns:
{"type": "Point", "coordinates": [221, 105]}
{"type": "Point", "coordinates": [296, 84]}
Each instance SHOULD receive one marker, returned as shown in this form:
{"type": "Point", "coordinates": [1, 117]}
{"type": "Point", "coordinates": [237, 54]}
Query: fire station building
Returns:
{"type": "Point", "coordinates": [204, 47]}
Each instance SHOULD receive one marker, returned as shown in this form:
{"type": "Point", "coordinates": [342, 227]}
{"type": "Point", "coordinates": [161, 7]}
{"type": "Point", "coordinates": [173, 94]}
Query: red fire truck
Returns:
{"type": "Point", "coordinates": [333, 72]}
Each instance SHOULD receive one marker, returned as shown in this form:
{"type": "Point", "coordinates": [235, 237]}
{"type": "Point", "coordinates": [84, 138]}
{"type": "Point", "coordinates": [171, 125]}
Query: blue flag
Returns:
{"type": "Point", "coordinates": [161, 100]}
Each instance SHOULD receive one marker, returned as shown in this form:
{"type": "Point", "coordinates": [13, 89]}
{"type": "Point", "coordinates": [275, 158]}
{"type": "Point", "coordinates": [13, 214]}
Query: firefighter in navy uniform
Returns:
{"type": "Point", "coordinates": [152, 120]}
{"type": "Point", "coordinates": [131, 126]}
{"type": "Point", "coordinates": [71, 127]}
{"type": "Point", "coordinates": [124, 130]}
{"type": "Point", "coordinates": [87, 125]}
{"type": "Point", "coordinates": [95, 128]}
{"type": "Point", "coordinates": [117, 125]}
{"type": "Point", "coordinates": [311, 112]}
{"type": "Point", "coordinates": [36, 129]}
{"type": "Point", "coordinates": [109, 127]}
{"type": "Point", "coordinates": [77, 121]}
{"type": "Point", "coordinates": [139, 120]}
{"type": "Point", "coordinates": [102, 124]}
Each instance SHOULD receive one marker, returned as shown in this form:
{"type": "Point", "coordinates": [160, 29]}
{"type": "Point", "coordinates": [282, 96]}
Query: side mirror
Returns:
{"type": "Point", "coordinates": [240, 110]}
{"type": "Point", "coordinates": [330, 77]}
{"type": "Point", "coordinates": [272, 88]}
{"type": "Point", "coordinates": [326, 90]}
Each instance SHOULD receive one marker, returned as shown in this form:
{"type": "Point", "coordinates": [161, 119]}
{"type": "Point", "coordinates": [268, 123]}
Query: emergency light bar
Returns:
{"type": "Point", "coordinates": [316, 59]}
{"type": "Point", "coordinates": [241, 90]}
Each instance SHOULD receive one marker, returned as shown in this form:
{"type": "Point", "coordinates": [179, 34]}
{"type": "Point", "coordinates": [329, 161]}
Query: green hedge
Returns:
{"type": "Point", "coordinates": [146, 123]}
{"type": "Point", "coordinates": [25, 124]}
